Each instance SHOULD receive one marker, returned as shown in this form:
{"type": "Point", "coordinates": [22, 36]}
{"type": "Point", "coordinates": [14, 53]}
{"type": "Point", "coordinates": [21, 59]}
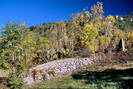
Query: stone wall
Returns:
{"type": "Point", "coordinates": [60, 67]}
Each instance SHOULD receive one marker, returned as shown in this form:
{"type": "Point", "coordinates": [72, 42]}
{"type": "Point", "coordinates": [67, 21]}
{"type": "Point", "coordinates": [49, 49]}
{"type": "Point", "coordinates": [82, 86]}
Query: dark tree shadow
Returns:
{"type": "Point", "coordinates": [123, 77]}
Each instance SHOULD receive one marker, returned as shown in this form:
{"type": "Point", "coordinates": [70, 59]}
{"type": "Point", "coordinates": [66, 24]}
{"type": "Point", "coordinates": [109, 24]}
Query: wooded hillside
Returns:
{"type": "Point", "coordinates": [87, 33]}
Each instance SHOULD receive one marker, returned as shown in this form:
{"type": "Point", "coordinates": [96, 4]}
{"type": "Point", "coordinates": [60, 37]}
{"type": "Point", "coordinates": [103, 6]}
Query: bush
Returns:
{"type": "Point", "coordinates": [14, 80]}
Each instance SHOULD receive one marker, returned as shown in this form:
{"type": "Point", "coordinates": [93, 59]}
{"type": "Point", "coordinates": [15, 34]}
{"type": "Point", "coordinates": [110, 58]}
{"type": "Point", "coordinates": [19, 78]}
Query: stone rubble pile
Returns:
{"type": "Point", "coordinates": [58, 68]}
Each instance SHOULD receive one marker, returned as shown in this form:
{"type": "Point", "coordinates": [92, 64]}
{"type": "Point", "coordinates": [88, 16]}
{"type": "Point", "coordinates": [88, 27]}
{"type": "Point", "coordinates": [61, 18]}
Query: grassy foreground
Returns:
{"type": "Point", "coordinates": [103, 78]}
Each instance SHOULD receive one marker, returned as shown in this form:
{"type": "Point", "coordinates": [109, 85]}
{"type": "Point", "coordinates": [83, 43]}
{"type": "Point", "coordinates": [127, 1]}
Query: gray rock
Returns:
{"type": "Point", "coordinates": [28, 80]}
{"type": "Point", "coordinates": [59, 68]}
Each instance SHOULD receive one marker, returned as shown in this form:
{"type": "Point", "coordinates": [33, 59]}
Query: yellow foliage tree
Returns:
{"type": "Point", "coordinates": [89, 38]}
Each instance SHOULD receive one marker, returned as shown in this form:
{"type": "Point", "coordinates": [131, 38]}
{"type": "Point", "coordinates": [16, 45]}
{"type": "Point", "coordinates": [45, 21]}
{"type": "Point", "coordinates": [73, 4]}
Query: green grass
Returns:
{"type": "Point", "coordinates": [70, 83]}
{"type": "Point", "coordinates": [65, 82]}
{"type": "Point", "coordinates": [96, 79]}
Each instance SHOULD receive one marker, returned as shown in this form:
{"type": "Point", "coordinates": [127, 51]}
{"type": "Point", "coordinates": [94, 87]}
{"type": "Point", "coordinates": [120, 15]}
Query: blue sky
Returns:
{"type": "Point", "coordinates": [40, 11]}
{"type": "Point", "coordinates": [118, 7]}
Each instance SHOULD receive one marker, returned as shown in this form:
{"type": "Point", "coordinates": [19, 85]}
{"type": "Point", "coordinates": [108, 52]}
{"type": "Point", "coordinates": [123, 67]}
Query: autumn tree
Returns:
{"type": "Point", "coordinates": [99, 31]}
